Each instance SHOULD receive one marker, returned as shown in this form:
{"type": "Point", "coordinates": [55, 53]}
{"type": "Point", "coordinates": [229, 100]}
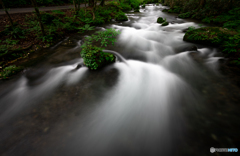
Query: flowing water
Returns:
{"type": "Point", "coordinates": [162, 98]}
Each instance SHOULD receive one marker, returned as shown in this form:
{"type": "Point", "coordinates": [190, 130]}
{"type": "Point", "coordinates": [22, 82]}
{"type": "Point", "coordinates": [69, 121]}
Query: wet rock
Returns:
{"type": "Point", "coordinates": [185, 30]}
{"type": "Point", "coordinates": [165, 23]}
{"type": "Point", "coordinates": [196, 57]}
{"type": "Point", "coordinates": [191, 48]}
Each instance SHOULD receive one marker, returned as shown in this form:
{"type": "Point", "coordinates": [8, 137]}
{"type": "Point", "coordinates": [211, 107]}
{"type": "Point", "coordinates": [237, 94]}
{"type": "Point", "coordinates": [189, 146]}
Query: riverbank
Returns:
{"type": "Point", "coordinates": [19, 43]}
{"type": "Point", "coordinates": [224, 32]}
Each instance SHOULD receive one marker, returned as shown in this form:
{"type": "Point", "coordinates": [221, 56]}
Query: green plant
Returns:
{"type": "Point", "coordinates": [185, 15]}
{"type": "Point", "coordinates": [10, 70]}
{"type": "Point", "coordinates": [125, 7]}
{"type": "Point", "coordinates": [160, 20]}
{"type": "Point", "coordinates": [165, 23]}
{"type": "Point", "coordinates": [121, 17]}
{"type": "Point", "coordinates": [190, 29]}
{"type": "Point", "coordinates": [236, 62]}
{"type": "Point", "coordinates": [93, 56]}
{"type": "Point", "coordinates": [232, 44]}
{"type": "Point", "coordinates": [58, 12]}
{"type": "Point", "coordinates": [86, 27]}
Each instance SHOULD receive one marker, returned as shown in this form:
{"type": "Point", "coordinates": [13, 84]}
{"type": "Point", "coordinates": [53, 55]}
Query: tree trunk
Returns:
{"type": "Point", "coordinates": [75, 5]}
{"type": "Point", "coordinates": [34, 3]}
{"type": "Point", "coordinates": [9, 17]}
{"type": "Point", "coordinates": [102, 2]}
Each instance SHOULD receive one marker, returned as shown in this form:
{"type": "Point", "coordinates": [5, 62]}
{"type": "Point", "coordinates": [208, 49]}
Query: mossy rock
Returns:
{"type": "Point", "coordinates": [143, 6]}
{"type": "Point", "coordinates": [121, 17]}
{"type": "Point", "coordinates": [94, 58]}
{"type": "Point", "coordinates": [208, 35]}
{"type": "Point", "coordinates": [165, 23]}
{"type": "Point", "coordinates": [160, 20]}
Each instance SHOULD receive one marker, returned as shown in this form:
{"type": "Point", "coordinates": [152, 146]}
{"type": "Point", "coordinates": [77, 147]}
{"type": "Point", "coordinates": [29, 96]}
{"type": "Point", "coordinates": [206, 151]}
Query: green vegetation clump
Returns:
{"type": "Point", "coordinates": [165, 23]}
{"type": "Point", "coordinates": [160, 20]}
{"type": "Point", "coordinates": [121, 17]}
{"type": "Point", "coordinates": [93, 56]}
{"type": "Point", "coordinates": [185, 15]}
{"type": "Point", "coordinates": [9, 71]}
{"type": "Point", "coordinates": [228, 40]}
{"type": "Point", "coordinates": [125, 7]}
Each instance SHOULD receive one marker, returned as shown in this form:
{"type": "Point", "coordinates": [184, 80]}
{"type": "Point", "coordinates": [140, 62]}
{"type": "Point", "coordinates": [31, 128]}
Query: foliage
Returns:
{"type": "Point", "coordinates": [86, 27]}
{"type": "Point", "coordinates": [175, 9]}
{"type": "Point", "coordinates": [185, 15]}
{"type": "Point", "coordinates": [165, 23]}
{"type": "Point", "coordinates": [58, 12]}
{"type": "Point", "coordinates": [7, 45]}
{"type": "Point", "coordinates": [121, 17]}
{"type": "Point", "coordinates": [160, 20]}
{"type": "Point", "coordinates": [227, 39]}
{"type": "Point", "coordinates": [10, 70]}
{"type": "Point", "coordinates": [125, 7]}
{"type": "Point", "coordinates": [93, 56]}
{"type": "Point", "coordinates": [236, 61]}
{"type": "Point", "coordinates": [232, 44]}
{"type": "Point", "coordinates": [15, 32]}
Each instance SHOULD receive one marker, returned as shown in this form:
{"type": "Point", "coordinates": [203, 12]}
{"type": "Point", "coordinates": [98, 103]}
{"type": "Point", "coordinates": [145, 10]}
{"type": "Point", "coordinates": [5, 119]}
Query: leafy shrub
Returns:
{"type": "Point", "coordinates": [93, 56]}
{"type": "Point", "coordinates": [175, 9]}
{"type": "Point", "coordinates": [98, 21]}
{"type": "Point", "coordinates": [15, 32]}
{"type": "Point", "coordinates": [232, 24]}
{"type": "Point", "coordinates": [121, 17]}
{"type": "Point", "coordinates": [232, 44]}
{"type": "Point", "coordinates": [86, 27]}
{"type": "Point", "coordinates": [47, 18]}
{"type": "Point", "coordinates": [10, 70]}
{"type": "Point", "coordinates": [58, 12]}
{"type": "Point", "coordinates": [125, 7]}
{"type": "Point", "coordinates": [185, 15]}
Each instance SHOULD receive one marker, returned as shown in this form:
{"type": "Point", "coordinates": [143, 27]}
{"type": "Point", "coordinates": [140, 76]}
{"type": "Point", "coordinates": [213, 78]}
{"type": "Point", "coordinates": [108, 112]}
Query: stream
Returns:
{"type": "Point", "coordinates": [168, 98]}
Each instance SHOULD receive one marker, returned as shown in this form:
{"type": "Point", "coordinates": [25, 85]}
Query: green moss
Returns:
{"type": "Point", "coordinates": [94, 58]}
{"type": "Point", "coordinates": [208, 35]}
{"type": "Point", "coordinates": [160, 20]}
{"type": "Point", "coordinates": [185, 15]}
{"type": "Point", "coordinates": [165, 23]}
{"type": "Point", "coordinates": [121, 17]}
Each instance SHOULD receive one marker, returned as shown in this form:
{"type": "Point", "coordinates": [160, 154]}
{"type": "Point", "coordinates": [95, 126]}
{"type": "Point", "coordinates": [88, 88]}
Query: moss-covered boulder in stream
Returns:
{"type": "Point", "coordinates": [94, 58]}
{"type": "Point", "coordinates": [160, 20]}
{"type": "Point", "coordinates": [165, 23]}
{"type": "Point", "coordinates": [121, 17]}
{"type": "Point", "coordinates": [208, 35]}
